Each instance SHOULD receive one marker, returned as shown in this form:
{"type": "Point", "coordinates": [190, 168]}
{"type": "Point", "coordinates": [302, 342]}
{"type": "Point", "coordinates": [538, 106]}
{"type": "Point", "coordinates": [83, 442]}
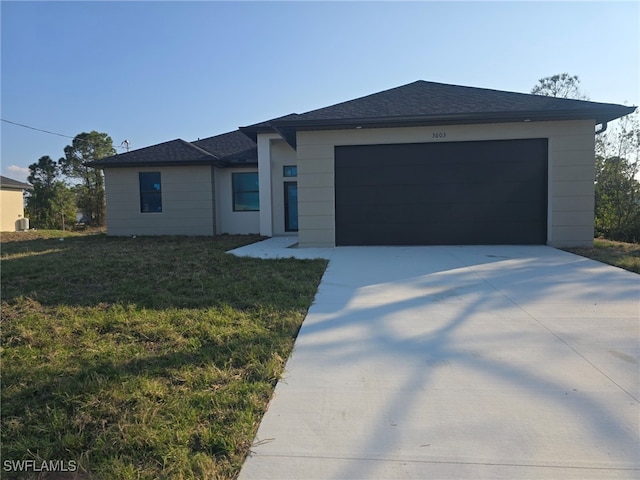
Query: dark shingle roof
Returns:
{"type": "Point", "coordinates": [228, 149]}
{"type": "Point", "coordinates": [430, 103]}
{"type": "Point", "coordinates": [174, 152]}
{"type": "Point", "coordinates": [233, 147]}
{"type": "Point", "coordinates": [7, 182]}
{"type": "Point", "coordinates": [437, 102]}
{"type": "Point", "coordinates": [267, 123]}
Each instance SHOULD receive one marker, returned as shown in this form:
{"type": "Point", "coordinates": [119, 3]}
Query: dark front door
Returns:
{"type": "Point", "coordinates": [291, 206]}
{"type": "Point", "coordinates": [456, 193]}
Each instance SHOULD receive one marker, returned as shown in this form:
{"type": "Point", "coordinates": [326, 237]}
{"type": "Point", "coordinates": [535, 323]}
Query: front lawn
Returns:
{"type": "Point", "coordinates": [142, 357]}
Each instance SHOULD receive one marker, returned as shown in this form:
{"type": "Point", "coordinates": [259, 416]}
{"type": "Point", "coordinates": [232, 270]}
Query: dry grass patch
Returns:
{"type": "Point", "coordinates": [619, 254]}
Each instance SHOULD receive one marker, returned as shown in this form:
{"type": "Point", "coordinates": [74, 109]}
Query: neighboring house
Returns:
{"type": "Point", "coordinates": [424, 163]}
{"type": "Point", "coordinates": [12, 205]}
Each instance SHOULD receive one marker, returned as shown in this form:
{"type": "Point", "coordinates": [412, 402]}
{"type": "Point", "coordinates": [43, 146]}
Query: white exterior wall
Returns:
{"type": "Point", "coordinates": [187, 202]}
{"type": "Point", "coordinates": [229, 221]}
{"type": "Point", "coordinates": [571, 172]}
{"type": "Point", "coordinates": [11, 209]}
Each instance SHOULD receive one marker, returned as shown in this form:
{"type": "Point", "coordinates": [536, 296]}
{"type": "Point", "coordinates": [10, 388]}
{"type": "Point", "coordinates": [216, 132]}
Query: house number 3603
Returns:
{"type": "Point", "coordinates": [438, 135]}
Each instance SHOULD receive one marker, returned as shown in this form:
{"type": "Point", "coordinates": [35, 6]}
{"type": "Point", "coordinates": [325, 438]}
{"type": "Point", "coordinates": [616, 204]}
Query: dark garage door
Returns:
{"type": "Point", "coordinates": [462, 193]}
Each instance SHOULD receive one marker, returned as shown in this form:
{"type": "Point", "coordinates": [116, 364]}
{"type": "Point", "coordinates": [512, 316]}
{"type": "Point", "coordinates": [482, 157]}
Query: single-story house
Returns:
{"type": "Point", "coordinates": [424, 163]}
{"type": "Point", "coordinates": [12, 205]}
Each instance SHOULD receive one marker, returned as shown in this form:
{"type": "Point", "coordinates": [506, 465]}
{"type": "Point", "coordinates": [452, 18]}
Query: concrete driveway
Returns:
{"type": "Point", "coordinates": [460, 362]}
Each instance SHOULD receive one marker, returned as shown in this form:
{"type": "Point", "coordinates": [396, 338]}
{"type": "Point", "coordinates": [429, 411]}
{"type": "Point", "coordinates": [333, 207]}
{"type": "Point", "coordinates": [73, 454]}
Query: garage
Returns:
{"type": "Point", "coordinates": [443, 193]}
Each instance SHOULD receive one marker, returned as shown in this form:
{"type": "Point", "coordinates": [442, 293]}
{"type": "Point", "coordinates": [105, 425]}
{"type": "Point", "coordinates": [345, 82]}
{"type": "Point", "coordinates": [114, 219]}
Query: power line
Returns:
{"type": "Point", "coordinates": [36, 129]}
{"type": "Point", "coordinates": [45, 131]}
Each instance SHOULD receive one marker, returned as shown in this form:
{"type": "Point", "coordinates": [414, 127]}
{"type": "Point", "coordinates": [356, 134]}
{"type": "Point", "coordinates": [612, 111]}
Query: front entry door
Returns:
{"type": "Point", "coordinates": [291, 206]}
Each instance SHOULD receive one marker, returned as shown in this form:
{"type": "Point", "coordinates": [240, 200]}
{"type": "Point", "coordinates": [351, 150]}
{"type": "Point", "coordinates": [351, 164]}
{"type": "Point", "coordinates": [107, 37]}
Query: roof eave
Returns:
{"type": "Point", "coordinates": [252, 132]}
{"type": "Point", "coordinates": [288, 129]}
{"type": "Point", "coordinates": [204, 161]}
{"type": "Point", "coordinates": [453, 119]}
{"type": "Point", "coordinates": [16, 188]}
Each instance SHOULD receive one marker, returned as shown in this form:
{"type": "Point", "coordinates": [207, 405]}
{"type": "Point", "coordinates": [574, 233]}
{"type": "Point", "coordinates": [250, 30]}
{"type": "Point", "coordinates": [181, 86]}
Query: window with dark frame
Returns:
{"type": "Point", "coordinates": [290, 171]}
{"type": "Point", "coordinates": [150, 192]}
{"type": "Point", "coordinates": [246, 197]}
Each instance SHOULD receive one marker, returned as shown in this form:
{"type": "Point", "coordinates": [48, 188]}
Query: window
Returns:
{"type": "Point", "coordinates": [245, 192]}
{"type": "Point", "coordinates": [150, 192]}
{"type": "Point", "coordinates": [290, 171]}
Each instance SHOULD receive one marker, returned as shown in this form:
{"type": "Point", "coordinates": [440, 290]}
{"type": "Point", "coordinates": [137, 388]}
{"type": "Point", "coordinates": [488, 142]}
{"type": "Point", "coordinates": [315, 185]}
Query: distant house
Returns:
{"type": "Point", "coordinates": [12, 204]}
{"type": "Point", "coordinates": [424, 163]}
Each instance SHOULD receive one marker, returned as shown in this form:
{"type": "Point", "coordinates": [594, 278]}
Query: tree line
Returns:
{"type": "Point", "coordinates": [63, 188]}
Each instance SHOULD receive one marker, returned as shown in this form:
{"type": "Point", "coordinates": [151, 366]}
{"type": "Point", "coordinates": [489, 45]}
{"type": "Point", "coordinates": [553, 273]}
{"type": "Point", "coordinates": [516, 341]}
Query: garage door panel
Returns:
{"type": "Point", "coordinates": [393, 177]}
{"type": "Point", "coordinates": [368, 197]}
{"type": "Point", "coordinates": [442, 193]}
{"type": "Point", "coordinates": [423, 176]}
{"type": "Point", "coordinates": [414, 175]}
{"type": "Point", "coordinates": [413, 195]}
{"type": "Point", "coordinates": [477, 233]}
{"type": "Point", "coordinates": [441, 213]}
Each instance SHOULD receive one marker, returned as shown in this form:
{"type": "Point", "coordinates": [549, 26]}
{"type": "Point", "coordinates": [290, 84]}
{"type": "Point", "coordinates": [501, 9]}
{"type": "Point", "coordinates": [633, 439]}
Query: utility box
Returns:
{"type": "Point", "coordinates": [22, 225]}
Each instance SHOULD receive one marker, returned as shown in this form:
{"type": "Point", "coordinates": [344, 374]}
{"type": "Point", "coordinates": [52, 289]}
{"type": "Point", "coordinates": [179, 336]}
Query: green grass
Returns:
{"type": "Point", "coordinates": [142, 357]}
{"type": "Point", "coordinates": [619, 254]}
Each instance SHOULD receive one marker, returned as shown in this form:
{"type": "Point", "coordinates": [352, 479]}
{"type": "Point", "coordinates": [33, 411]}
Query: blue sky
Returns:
{"type": "Point", "coordinates": [154, 71]}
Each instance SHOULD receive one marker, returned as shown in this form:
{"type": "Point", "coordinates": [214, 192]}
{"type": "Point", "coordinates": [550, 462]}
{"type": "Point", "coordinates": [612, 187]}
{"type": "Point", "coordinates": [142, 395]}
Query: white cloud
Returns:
{"type": "Point", "coordinates": [18, 173]}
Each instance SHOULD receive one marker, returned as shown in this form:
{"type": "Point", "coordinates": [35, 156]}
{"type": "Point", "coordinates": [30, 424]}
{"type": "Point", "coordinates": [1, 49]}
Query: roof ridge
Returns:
{"type": "Point", "coordinates": [202, 150]}
{"type": "Point", "coordinates": [364, 97]}
{"type": "Point", "coordinates": [266, 123]}
{"type": "Point", "coordinates": [210, 137]}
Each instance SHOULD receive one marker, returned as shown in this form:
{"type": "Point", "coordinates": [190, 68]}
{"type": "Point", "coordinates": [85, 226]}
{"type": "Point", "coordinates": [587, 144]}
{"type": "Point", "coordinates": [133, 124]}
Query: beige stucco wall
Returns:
{"type": "Point", "coordinates": [11, 209]}
{"type": "Point", "coordinates": [229, 221]}
{"type": "Point", "coordinates": [571, 172]}
{"type": "Point", "coordinates": [187, 202]}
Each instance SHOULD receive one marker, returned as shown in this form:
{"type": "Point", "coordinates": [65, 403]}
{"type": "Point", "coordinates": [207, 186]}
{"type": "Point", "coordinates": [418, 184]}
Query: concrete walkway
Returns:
{"type": "Point", "coordinates": [499, 362]}
{"type": "Point", "coordinates": [281, 247]}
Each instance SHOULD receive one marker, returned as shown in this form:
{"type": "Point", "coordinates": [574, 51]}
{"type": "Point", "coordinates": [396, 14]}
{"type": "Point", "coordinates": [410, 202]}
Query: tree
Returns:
{"type": "Point", "coordinates": [621, 139]}
{"type": "Point", "coordinates": [43, 176]}
{"type": "Point", "coordinates": [87, 147]}
{"type": "Point", "coordinates": [51, 203]}
{"type": "Point", "coordinates": [561, 85]}
{"type": "Point", "coordinates": [617, 189]}
{"type": "Point", "coordinates": [617, 199]}
{"type": "Point", "coordinates": [64, 207]}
